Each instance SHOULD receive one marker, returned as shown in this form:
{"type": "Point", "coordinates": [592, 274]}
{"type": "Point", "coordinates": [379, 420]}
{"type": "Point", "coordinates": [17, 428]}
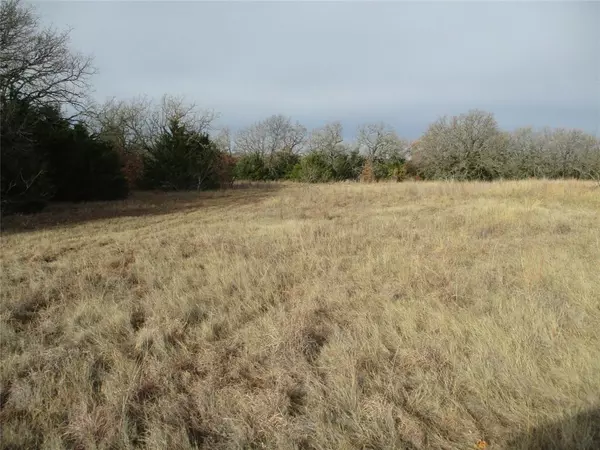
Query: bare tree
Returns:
{"type": "Point", "coordinates": [328, 139]}
{"type": "Point", "coordinates": [37, 65]}
{"type": "Point", "coordinates": [588, 164]}
{"type": "Point", "coordinates": [527, 156]}
{"type": "Point", "coordinates": [223, 141]}
{"type": "Point", "coordinates": [469, 146]}
{"type": "Point", "coordinates": [572, 153]}
{"type": "Point", "coordinates": [379, 141]}
{"type": "Point", "coordinates": [188, 114]}
{"type": "Point", "coordinates": [135, 123]}
{"type": "Point", "coordinates": [330, 156]}
{"type": "Point", "coordinates": [553, 153]}
{"type": "Point", "coordinates": [274, 134]}
{"type": "Point", "coordinates": [39, 74]}
{"type": "Point", "coordinates": [122, 122]}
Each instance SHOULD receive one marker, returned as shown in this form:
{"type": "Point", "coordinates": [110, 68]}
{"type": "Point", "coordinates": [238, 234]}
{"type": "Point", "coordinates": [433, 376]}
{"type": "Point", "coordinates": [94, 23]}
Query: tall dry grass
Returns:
{"type": "Point", "coordinates": [412, 315]}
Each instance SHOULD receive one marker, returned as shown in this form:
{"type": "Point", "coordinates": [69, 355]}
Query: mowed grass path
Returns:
{"type": "Point", "coordinates": [344, 316]}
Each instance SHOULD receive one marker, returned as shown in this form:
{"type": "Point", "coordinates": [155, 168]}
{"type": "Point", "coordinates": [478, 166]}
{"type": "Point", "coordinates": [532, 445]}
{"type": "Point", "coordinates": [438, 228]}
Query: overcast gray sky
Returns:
{"type": "Point", "coordinates": [406, 63]}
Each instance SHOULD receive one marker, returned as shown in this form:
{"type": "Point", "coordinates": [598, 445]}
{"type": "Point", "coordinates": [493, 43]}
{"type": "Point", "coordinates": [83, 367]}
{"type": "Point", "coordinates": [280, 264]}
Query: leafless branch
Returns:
{"type": "Point", "coordinates": [37, 64]}
{"type": "Point", "coordinates": [134, 124]}
{"type": "Point", "coordinates": [379, 141]}
{"type": "Point", "coordinates": [29, 182]}
{"type": "Point", "coordinates": [274, 134]}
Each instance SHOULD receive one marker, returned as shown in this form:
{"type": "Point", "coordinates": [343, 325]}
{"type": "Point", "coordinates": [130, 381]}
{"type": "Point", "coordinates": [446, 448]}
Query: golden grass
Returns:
{"type": "Point", "coordinates": [410, 315]}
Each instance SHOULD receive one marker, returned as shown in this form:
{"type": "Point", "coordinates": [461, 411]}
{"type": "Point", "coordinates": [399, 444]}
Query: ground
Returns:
{"type": "Point", "coordinates": [345, 316]}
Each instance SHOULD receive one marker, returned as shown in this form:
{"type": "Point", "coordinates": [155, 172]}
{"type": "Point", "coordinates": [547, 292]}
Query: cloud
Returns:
{"type": "Point", "coordinates": [406, 63]}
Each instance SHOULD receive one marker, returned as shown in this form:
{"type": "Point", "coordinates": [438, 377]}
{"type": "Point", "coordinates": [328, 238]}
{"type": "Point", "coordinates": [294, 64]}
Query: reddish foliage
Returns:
{"type": "Point", "coordinates": [132, 167]}
{"type": "Point", "coordinates": [225, 170]}
{"type": "Point", "coordinates": [368, 174]}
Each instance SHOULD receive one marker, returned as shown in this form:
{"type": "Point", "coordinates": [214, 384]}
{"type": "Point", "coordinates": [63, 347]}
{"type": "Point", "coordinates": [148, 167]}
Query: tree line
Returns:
{"type": "Point", "coordinates": [58, 144]}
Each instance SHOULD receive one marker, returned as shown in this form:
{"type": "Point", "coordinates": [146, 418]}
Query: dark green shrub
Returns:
{"type": "Point", "coordinates": [385, 170]}
{"type": "Point", "coordinates": [256, 167]}
{"type": "Point", "coordinates": [24, 176]}
{"type": "Point", "coordinates": [44, 157]}
{"type": "Point", "coordinates": [321, 167]}
{"type": "Point", "coordinates": [347, 165]}
{"type": "Point", "coordinates": [296, 173]}
{"type": "Point", "coordinates": [251, 167]}
{"type": "Point", "coordinates": [315, 168]}
{"type": "Point", "coordinates": [281, 164]}
{"type": "Point", "coordinates": [182, 160]}
{"type": "Point", "coordinates": [84, 168]}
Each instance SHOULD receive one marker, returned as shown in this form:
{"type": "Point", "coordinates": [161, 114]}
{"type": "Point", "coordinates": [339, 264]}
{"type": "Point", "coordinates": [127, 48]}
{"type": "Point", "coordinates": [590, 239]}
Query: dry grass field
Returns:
{"type": "Point", "coordinates": [344, 316]}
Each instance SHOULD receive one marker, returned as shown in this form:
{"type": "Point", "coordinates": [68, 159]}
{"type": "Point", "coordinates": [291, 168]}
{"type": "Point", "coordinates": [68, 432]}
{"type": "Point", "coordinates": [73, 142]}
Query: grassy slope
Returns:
{"type": "Point", "coordinates": [413, 315]}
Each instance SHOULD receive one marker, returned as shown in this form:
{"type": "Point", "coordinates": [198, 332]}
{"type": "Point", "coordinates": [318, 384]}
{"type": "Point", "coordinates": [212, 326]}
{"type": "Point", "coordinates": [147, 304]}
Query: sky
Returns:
{"type": "Point", "coordinates": [403, 63]}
